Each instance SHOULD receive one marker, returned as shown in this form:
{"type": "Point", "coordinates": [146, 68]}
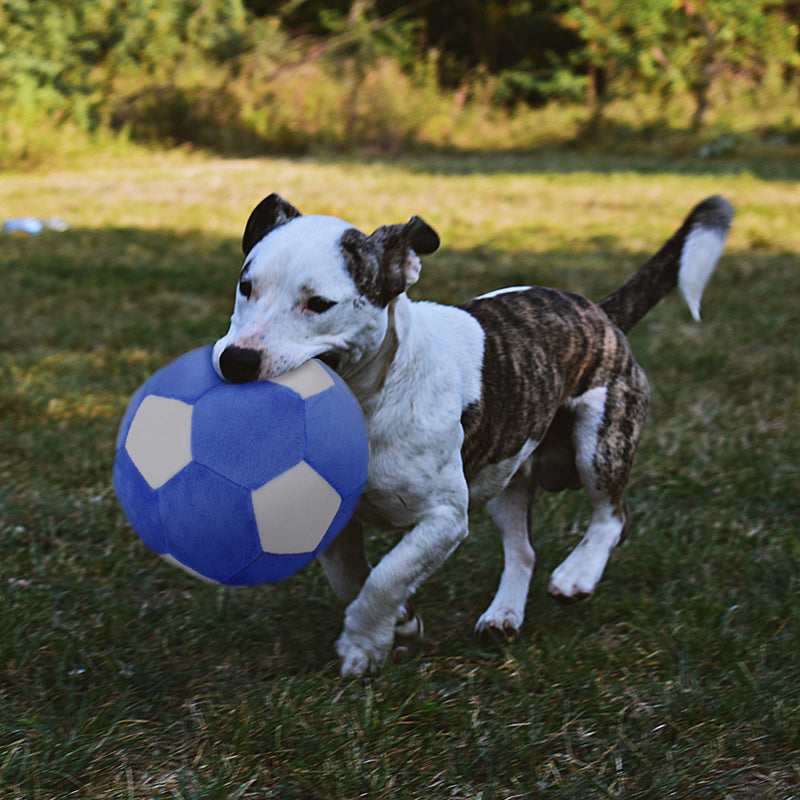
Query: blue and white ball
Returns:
{"type": "Point", "coordinates": [240, 484]}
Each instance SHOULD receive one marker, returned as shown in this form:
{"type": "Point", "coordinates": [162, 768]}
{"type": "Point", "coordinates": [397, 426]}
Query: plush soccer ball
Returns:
{"type": "Point", "coordinates": [240, 484]}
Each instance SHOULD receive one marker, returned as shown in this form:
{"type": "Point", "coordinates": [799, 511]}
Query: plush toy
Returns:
{"type": "Point", "coordinates": [240, 484]}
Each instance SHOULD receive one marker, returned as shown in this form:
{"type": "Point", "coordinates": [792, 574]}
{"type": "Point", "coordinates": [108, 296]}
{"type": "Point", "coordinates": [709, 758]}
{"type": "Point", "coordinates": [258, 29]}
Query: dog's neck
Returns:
{"type": "Point", "coordinates": [367, 377]}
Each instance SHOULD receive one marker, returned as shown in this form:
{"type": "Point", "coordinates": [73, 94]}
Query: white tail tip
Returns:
{"type": "Point", "coordinates": [701, 250]}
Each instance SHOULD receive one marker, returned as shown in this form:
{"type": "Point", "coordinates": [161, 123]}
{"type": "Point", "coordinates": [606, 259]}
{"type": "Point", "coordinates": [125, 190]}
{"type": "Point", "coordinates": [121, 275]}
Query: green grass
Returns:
{"type": "Point", "coordinates": [120, 677]}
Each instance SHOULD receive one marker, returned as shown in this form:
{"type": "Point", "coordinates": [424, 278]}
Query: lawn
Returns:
{"type": "Point", "coordinates": [121, 677]}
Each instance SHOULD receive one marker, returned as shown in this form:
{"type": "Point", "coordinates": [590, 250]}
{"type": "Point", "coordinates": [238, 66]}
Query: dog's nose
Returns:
{"type": "Point", "coordinates": [239, 365]}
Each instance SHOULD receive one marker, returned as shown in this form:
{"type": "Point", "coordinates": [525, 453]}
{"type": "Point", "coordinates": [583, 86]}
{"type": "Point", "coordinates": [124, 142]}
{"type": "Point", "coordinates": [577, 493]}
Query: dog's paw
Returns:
{"type": "Point", "coordinates": [575, 595]}
{"type": "Point", "coordinates": [362, 650]}
{"type": "Point", "coordinates": [408, 630]}
{"type": "Point", "coordinates": [580, 572]}
{"type": "Point", "coordinates": [575, 579]}
{"type": "Point", "coordinates": [499, 624]}
{"type": "Point", "coordinates": [360, 655]}
{"type": "Point", "coordinates": [355, 660]}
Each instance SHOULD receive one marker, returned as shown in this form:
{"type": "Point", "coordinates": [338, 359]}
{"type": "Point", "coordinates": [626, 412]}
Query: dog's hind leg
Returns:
{"type": "Point", "coordinates": [577, 577]}
{"type": "Point", "coordinates": [345, 562]}
{"type": "Point", "coordinates": [510, 511]}
{"type": "Point", "coordinates": [608, 421]}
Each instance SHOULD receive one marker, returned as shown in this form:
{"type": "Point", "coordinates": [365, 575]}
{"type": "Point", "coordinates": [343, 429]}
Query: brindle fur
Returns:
{"type": "Point", "coordinates": [544, 347]}
{"type": "Point", "coordinates": [375, 261]}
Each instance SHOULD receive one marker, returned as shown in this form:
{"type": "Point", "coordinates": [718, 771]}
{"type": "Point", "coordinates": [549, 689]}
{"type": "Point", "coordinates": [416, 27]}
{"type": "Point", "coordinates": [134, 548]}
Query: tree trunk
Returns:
{"type": "Point", "coordinates": [707, 72]}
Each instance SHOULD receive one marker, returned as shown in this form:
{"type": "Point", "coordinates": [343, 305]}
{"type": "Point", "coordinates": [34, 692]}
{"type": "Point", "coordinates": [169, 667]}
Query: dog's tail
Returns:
{"type": "Point", "coordinates": [687, 260]}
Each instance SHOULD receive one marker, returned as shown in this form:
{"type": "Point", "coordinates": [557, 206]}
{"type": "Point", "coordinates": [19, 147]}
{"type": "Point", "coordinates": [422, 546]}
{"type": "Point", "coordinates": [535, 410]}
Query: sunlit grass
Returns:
{"type": "Point", "coordinates": [512, 201]}
{"type": "Point", "coordinates": [120, 677]}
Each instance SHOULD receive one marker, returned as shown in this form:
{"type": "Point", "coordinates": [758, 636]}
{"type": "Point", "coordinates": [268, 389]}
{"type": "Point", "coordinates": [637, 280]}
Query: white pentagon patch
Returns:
{"type": "Point", "coordinates": [159, 440]}
{"type": "Point", "coordinates": [307, 380]}
{"type": "Point", "coordinates": [294, 511]}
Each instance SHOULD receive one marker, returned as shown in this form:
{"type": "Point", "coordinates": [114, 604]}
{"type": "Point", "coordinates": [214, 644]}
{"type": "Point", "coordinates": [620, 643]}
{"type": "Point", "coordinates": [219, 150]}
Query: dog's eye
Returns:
{"type": "Point", "coordinates": [319, 305]}
{"type": "Point", "coordinates": [246, 288]}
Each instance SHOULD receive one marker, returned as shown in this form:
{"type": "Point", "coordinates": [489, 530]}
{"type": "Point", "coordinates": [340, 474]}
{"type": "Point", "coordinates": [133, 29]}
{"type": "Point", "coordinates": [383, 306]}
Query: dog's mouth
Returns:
{"type": "Point", "coordinates": [331, 359]}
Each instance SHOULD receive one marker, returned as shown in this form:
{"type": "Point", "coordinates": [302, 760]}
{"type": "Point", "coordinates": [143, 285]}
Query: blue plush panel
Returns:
{"type": "Point", "coordinates": [187, 378]}
{"type": "Point", "coordinates": [209, 523]}
{"type": "Point", "coordinates": [139, 501]}
{"type": "Point", "coordinates": [270, 567]}
{"type": "Point", "coordinates": [249, 432]}
{"type": "Point", "coordinates": [337, 445]}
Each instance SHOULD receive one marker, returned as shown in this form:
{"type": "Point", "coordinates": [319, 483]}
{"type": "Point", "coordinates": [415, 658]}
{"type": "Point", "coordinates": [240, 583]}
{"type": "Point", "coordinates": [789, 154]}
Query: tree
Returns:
{"type": "Point", "coordinates": [670, 46]}
{"type": "Point", "coordinates": [356, 42]}
{"type": "Point", "coordinates": [711, 37]}
{"type": "Point", "coordinates": [621, 47]}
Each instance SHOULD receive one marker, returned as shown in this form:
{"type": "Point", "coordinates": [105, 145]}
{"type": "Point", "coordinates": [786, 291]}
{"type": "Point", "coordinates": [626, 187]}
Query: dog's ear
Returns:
{"type": "Point", "coordinates": [399, 247]}
{"type": "Point", "coordinates": [421, 237]}
{"type": "Point", "coordinates": [271, 212]}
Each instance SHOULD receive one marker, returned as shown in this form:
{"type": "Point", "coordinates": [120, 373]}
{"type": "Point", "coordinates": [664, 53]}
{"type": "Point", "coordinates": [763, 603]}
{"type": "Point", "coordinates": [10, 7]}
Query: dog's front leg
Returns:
{"type": "Point", "coordinates": [347, 568]}
{"type": "Point", "coordinates": [369, 627]}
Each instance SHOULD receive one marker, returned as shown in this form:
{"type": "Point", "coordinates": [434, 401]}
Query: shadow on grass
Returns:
{"type": "Point", "coordinates": [783, 165]}
{"type": "Point", "coordinates": [121, 287]}
{"type": "Point", "coordinates": [126, 287]}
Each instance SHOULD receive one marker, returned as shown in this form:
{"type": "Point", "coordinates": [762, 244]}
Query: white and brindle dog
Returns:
{"type": "Point", "coordinates": [481, 403]}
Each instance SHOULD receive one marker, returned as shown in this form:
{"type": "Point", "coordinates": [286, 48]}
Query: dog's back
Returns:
{"type": "Point", "coordinates": [544, 347]}
{"type": "Point", "coordinates": [541, 347]}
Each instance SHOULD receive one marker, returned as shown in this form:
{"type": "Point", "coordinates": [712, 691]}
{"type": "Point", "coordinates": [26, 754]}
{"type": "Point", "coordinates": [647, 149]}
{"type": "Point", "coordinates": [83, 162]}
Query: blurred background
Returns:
{"type": "Point", "coordinates": [262, 77]}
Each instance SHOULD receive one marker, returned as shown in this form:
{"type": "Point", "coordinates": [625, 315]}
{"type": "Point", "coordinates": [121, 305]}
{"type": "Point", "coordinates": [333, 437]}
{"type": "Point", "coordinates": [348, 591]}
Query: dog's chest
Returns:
{"type": "Point", "coordinates": [413, 418]}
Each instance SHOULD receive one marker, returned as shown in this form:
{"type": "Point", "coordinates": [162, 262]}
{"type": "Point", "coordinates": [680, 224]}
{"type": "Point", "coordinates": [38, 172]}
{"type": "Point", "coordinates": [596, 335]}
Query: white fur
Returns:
{"type": "Point", "coordinates": [413, 423]}
{"type": "Point", "coordinates": [487, 483]}
{"type": "Point", "coordinates": [589, 409]}
{"type": "Point", "coordinates": [286, 269]}
{"type": "Point", "coordinates": [579, 574]}
{"type": "Point", "coordinates": [509, 511]}
{"type": "Point", "coordinates": [505, 290]}
{"type": "Point", "coordinates": [701, 250]}
{"type": "Point", "coordinates": [414, 368]}
{"type": "Point", "coordinates": [415, 478]}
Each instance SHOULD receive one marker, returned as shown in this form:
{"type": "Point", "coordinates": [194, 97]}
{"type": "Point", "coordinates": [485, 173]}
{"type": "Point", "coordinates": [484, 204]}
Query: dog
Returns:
{"type": "Point", "coordinates": [482, 403]}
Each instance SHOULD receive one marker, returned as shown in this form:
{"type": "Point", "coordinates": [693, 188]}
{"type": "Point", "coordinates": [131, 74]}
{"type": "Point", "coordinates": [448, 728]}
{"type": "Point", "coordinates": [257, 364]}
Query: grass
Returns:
{"type": "Point", "coordinates": [120, 677]}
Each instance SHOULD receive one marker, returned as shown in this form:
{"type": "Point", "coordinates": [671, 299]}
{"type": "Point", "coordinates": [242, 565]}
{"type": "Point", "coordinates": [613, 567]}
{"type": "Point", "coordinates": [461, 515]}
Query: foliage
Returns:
{"type": "Point", "coordinates": [739, 36]}
{"type": "Point", "coordinates": [66, 60]}
{"type": "Point", "coordinates": [246, 77]}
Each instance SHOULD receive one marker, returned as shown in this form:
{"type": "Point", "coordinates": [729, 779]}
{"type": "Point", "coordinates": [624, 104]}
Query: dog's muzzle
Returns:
{"type": "Point", "coordinates": [239, 365]}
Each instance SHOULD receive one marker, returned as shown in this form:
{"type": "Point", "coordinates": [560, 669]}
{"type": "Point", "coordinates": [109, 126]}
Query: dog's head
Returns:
{"type": "Point", "coordinates": [315, 287]}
